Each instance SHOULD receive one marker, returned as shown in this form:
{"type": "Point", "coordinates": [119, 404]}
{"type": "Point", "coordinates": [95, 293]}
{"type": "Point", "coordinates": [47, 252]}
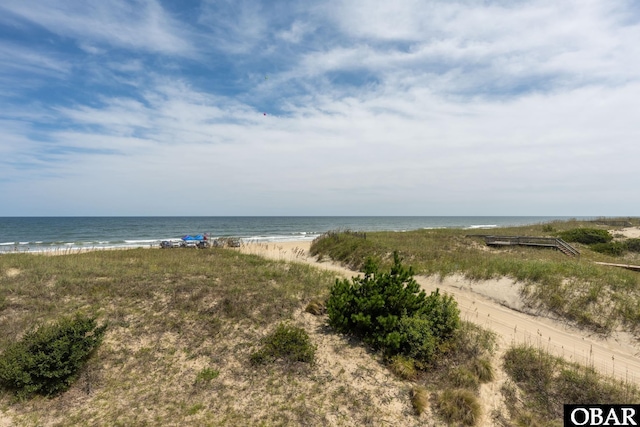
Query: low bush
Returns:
{"type": "Point", "coordinates": [47, 360]}
{"type": "Point", "coordinates": [391, 312]}
{"type": "Point", "coordinates": [587, 236]}
{"type": "Point", "coordinates": [632, 245]}
{"type": "Point", "coordinates": [287, 343]}
{"type": "Point", "coordinates": [611, 248]}
{"type": "Point", "coordinates": [483, 369]}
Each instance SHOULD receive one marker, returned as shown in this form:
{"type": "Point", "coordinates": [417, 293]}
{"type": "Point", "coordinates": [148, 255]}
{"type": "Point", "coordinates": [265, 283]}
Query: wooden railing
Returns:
{"type": "Point", "coordinates": [550, 242]}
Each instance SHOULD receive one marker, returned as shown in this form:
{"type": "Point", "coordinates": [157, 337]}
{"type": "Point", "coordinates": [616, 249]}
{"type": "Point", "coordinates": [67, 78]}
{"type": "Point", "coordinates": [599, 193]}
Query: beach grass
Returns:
{"type": "Point", "coordinates": [545, 382]}
{"type": "Point", "coordinates": [206, 337]}
{"type": "Point", "coordinates": [181, 326]}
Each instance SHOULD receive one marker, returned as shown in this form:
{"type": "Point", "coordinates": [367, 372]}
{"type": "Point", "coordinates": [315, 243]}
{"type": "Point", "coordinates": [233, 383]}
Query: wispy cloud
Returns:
{"type": "Point", "coordinates": [137, 24]}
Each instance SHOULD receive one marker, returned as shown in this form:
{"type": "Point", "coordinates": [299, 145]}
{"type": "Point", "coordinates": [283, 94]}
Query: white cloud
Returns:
{"type": "Point", "coordinates": [296, 32]}
{"type": "Point", "coordinates": [14, 58]}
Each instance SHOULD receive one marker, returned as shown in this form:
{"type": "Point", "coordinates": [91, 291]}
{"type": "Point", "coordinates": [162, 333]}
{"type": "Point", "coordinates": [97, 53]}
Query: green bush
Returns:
{"type": "Point", "coordinates": [47, 360]}
{"type": "Point", "coordinates": [587, 236]}
{"type": "Point", "coordinates": [611, 248]}
{"type": "Point", "coordinates": [287, 343]}
{"type": "Point", "coordinates": [632, 245]}
{"type": "Point", "coordinates": [391, 312]}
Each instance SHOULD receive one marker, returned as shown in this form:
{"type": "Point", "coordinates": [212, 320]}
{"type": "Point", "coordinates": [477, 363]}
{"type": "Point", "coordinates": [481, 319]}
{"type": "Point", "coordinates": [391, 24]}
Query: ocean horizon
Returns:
{"type": "Point", "coordinates": [42, 234]}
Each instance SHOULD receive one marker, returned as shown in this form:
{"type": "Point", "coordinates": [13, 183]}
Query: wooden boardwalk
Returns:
{"type": "Point", "coordinates": [627, 266]}
{"type": "Point", "coordinates": [549, 242]}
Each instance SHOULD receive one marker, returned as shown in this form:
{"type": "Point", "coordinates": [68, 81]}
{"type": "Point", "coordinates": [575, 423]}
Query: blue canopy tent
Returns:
{"type": "Point", "coordinates": [198, 238]}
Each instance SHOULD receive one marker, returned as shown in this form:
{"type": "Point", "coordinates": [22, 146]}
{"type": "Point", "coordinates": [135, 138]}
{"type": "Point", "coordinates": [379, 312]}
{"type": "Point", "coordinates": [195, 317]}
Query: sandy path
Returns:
{"type": "Point", "coordinates": [495, 305]}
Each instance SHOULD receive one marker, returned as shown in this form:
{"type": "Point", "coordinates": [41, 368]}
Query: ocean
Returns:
{"type": "Point", "coordinates": [40, 234]}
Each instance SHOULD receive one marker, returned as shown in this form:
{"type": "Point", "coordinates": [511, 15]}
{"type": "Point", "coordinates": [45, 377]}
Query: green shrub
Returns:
{"type": "Point", "coordinates": [47, 360]}
{"type": "Point", "coordinates": [287, 343]}
{"type": "Point", "coordinates": [587, 236]}
{"type": "Point", "coordinates": [391, 312]}
{"type": "Point", "coordinates": [632, 245]}
{"type": "Point", "coordinates": [442, 311]}
{"type": "Point", "coordinates": [611, 248]}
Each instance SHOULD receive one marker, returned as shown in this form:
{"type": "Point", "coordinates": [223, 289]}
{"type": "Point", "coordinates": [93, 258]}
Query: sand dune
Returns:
{"type": "Point", "coordinates": [496, 305]}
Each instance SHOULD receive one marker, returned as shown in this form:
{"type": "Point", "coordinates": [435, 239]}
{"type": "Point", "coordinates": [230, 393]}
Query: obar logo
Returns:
{"type": "Point", "coordinates": [601, 415]}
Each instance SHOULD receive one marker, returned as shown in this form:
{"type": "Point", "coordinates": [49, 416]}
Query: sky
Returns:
{"type": "Point", "coordinates": [324, 107]}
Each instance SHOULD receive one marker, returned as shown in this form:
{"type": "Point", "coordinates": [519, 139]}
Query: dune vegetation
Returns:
{"type": "Point", "coordinates": [596, 297]}
{"type": "Point", "coordinates": [215, 337]}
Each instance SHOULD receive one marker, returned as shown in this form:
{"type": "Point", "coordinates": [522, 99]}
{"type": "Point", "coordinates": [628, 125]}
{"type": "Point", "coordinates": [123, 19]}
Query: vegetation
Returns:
{"type": "Point", "coordinates": [587, 236]}
{"type": "Point", "coordinates": [632, 245]}
{"type": "Point", "coordinates": [547, 382]}
{"type": "Point", "coordinates": [591, 296]}
{"type": "Point", "coordinates": [287, 343]}
{"type": "Point", "coordinates": [47, 360]}
{"type": "Point", "coordinates": [193, 335]}
{"type": "Point", "coordinates": [419, 399]}
{"type": "Point", "coordinates": [610, 248]}
{"type": "Point", "coordinates": [390, 312]}
{"type": "Point", "coordinates": [459, 407]}
{"type": "Point", "coordinates": [182, 326]}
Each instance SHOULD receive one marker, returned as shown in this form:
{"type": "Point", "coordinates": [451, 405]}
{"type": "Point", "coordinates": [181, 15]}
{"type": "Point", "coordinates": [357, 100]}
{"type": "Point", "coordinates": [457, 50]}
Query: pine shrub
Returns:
{"type": "Point", "coordinates": [632, 245]}
{"type": "Point", "coordinates": [587, 236]}
{"type": "Point", "coordinates": [47, 360]}
{"type": "Point", "coordinates": [391, 312]}
{"type": "Point", "coordinates": [611, 248]}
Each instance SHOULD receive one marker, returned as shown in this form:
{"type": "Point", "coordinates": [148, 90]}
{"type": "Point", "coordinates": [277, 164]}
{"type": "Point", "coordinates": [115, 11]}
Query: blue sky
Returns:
{"type": "Point", "coordinates": [335, 107]}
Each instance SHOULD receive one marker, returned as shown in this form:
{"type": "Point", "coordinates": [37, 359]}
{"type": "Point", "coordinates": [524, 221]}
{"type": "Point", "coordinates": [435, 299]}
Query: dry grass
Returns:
{"type": "Point", "coordinates": [459, 407]}
{"type": "Point", "coordinates": [182, 327]}
{"type": "Point", "coordinates": [544, 383]}
{"type": "Point", "coordinates": [419, 399]}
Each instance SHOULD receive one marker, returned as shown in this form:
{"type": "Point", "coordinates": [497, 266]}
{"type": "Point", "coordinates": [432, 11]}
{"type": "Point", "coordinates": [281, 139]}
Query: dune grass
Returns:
{"type": "Point", "coordinates": [592, 296]}
{"type": "Point", "coordinates": [207, 337]}
{"type": "Point", "coordinates": [547, 382]}
{"type": "Point", "coordinates": [181, 328]}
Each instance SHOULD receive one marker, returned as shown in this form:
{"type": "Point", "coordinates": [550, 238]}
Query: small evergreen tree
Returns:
{"type": "Point", "coordinates": [391, 312]}
{"type": "Point", "coordinates": [47, 360]}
